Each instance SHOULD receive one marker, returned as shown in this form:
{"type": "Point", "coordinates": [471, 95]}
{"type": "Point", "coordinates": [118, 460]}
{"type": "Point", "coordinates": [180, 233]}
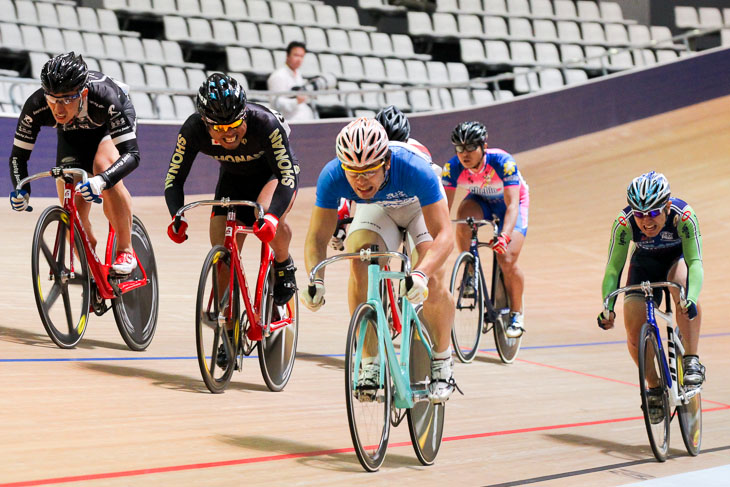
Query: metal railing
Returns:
{"type": "Point", "coordinates": [603, 65]}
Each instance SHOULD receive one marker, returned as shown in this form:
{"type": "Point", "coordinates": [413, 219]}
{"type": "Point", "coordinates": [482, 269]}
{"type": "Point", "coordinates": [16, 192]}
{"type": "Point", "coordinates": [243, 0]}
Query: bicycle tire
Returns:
{"type": "Point", "coordinates": [469, 316]}
{"type": "Point", "coordinates": [425, 419]}
{"type": "Point", "coordinates": [690, 414]}
{"type": "Point", "coordinates": [369, 424]}
{"type": "Point", "coordinates": [507, 347]}
{"type": "Point", "coordinates": [658, 432]}
{"type": "Point", "coordinates": [209, 332]}
{"type": "Point", "coordinates": [277, 352]}
{"type": "Point", "coordinates": [135, 312]}
{"type": "Point", "coordinates": [53, 228]}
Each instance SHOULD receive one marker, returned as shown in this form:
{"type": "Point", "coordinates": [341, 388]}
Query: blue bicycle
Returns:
{"type": "Point", "coordinates": [398, 387]}
{"type": "Point", "coordinates": [661, 380]}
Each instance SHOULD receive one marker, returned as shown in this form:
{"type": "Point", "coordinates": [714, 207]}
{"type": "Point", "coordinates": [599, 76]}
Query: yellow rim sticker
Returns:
{"type": "Point", "coordinates": [82, 324]}
{"type": "Point", "coordinates": [40, 291]}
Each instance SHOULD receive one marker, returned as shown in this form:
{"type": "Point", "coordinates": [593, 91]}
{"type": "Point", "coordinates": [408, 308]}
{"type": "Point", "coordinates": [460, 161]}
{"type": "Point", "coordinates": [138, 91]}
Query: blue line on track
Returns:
{"type": "Point", "coordinates": [123, 359]}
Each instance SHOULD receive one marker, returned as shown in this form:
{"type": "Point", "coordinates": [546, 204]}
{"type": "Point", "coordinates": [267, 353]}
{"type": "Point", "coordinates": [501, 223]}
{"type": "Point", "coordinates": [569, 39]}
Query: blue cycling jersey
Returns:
{"type": "Point", "coordinates": [409, 178]}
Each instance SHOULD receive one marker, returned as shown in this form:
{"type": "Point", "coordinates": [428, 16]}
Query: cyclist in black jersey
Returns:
{"type": "Point", "coordinates": [251, 142]}
{"type": "Point", "coordinates": [96, 126]}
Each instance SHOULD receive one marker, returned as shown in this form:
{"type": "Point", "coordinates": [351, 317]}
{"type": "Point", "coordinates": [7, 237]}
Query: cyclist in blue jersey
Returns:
{"type": "Point", "coordinates": [668, 247]}
{"type": "Point", "coordinates": [495, 187]}
{"type": "Point", "coordinates": [389, 177]}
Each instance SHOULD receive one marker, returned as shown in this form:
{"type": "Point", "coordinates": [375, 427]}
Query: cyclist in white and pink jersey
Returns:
{"type": "Point", "coordinates": [496, 188]}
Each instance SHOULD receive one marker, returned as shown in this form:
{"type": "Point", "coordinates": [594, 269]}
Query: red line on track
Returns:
{"type": "Point", "coordinates": [274, 458]}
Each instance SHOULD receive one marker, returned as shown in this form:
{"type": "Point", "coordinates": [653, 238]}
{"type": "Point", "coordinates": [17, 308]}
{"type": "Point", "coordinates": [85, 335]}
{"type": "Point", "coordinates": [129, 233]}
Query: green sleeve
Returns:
{"type": "Point", "coordinates": [618, 249]}
{"type": "Point", "coordinates": [689, 232]}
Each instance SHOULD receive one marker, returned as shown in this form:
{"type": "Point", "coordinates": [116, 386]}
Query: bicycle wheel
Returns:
{"type": "Point", "coordinates": [425, 419]}
{"type": "Point", "coordinates": [213, 300]}
{"type": "Point", "coordinates": [136, 311]}
{"type": "Point", "coordinates": [65, 320]}
{"type": "Point", "coordinates": [368, 406]}
{"type": "Point", "coordinates": [650, 366]}
{"type": "Point", "coordinates": [469, 316]}
{"type": "Point", "coordinates": [507, 347]}
{"type": "Point", "coordinates": [690, 414]}
{"type": "Point", "coordinates": [277, 351]}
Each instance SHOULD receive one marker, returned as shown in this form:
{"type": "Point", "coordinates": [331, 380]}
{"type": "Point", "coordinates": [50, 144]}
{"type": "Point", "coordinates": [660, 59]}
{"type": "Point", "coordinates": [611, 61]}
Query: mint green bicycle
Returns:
{"type": "Point", "coordinates": [400, 389]}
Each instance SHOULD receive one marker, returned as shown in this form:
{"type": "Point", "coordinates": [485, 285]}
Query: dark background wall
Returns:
{"type": "Point", "coordinates": [515, 126]}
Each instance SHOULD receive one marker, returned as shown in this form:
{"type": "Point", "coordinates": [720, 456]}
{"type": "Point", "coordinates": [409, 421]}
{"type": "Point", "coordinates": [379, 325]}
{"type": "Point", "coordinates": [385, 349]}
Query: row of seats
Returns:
{"type": "Point", "coordinates": [261, 62]}
{"type": "Point", "coordinates": [547, 79]}
{"type": "Point", "coordinates": [413, 100]}
{"type": "Point", "coordinates": [500, 55]}
{"type": "Point", "coordinates": [278, 11]}
{"type": "Point", "coordinates": [704, 17]}
{"type": "Point", "coordinates": [584, 10]}
{"type": "Point", "coordinates": [271, 36]}
{"type": "Point", "coordinates": [91, 44]}
{"type": "Point", "coordinates": [445, 25]}
{"type": "Point", "coordinates": [67, 16]}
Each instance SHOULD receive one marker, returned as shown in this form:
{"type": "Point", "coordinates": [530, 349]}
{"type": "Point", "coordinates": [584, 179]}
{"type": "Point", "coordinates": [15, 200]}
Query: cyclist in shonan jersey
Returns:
{"type": "Point", "coordinates": [390, 178]}
{"type": "Point", "coordinates": [497, 188]}
{"type": "Point", "coordinates": [251, 143]}
{"type": "Point", "coordinates": [96, 123]}
{"type": "Point", "coordinates": [398, 128]}
{"type": "Point", "coordinates": [667, 247]}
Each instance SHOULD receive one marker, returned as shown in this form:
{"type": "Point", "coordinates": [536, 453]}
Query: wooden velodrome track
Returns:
{"type": "Point", "coordinates": [565, 413]}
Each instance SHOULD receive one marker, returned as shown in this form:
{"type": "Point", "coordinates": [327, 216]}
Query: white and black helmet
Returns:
{"type": "Point", "coordinates": [649, 191]}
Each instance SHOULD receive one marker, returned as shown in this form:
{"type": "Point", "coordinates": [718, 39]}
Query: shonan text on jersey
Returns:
{"type": "Point", "coordinates": [409, 178]}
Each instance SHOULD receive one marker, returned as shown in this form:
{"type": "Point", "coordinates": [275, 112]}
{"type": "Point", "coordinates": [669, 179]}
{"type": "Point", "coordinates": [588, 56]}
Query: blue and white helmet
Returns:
{"type": "Point", "coordinates": [649, 191]}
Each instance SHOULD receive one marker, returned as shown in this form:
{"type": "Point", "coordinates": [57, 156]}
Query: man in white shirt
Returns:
{"type": "Point", "coordinates": [288, 77]}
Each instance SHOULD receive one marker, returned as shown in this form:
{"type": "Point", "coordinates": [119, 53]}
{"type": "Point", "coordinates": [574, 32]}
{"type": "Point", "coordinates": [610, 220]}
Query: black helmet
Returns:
{"type": "Point", "coordinates": [469, 133]}
{"type": "Point", "coordinates": [395, 123]}
{"type": "Point", "coordinates": [64, 73]}
{"type": "Point", "coordinates": [221, 99]}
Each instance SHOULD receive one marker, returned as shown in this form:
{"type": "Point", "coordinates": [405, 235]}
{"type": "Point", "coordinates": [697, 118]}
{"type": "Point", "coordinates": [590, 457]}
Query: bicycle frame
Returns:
{"type": "Point", "coordinates": [99, 271]}
{"type": "Point", "coordinates": [669, 365]}
{"type": "Point", "coordinates": [254, 310]}
{"type": "Point", "coordinates": [397, 363]}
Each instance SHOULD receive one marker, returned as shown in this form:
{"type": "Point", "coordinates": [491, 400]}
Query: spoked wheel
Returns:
{"type": "Point", "coordinates": [469, 299]}
{"type": "Point", "coordinates": [425, 419]}
{"type": "Point", "coordinates": [690, 414]}
{"type": "Point", "coordinates": [278, 350]}
{"type": "Point", "coordinates": [136, 311]}
{"type": "Point", "coordinates": [654, 400]}
{"type": "Point", "coordinates": [62, 298]}
{"type": "Point", "coordinates": [216, 352]}
{"type": "Point", "coordinates": [506, 347]}
{"type": "Point", "coordinates": [368, 401]}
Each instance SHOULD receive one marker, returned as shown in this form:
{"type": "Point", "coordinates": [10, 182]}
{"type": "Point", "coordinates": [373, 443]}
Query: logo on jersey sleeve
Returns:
{"type": "Point", "coordinates": [283, 161]}
{"type": "Point", "coordinates": [686, 215]}
{"type": "Point", "coordinates": [177, 159]}
{"type": "Point", "coordinates": [446, 173]}
{"type": "Point", "coordinates": [509, 168]}
{"type": "Point", "coordinates": [622, 221]}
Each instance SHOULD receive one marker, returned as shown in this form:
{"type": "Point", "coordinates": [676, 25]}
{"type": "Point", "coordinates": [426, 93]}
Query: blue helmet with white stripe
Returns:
{"type": "Point", "coordinates": [649, 191]}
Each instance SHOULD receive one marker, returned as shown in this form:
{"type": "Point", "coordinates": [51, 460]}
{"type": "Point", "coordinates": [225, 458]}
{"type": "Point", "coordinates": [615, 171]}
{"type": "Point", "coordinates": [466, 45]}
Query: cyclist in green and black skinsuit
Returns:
{"type": "Point", "coordinates": [668, 247]}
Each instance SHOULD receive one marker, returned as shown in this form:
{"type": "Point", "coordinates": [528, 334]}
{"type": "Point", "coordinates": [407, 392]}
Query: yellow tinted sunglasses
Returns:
{"type": "Point", "coordinates": [222, 127]}
{"type": "Point", "coordinates": [365, 173]}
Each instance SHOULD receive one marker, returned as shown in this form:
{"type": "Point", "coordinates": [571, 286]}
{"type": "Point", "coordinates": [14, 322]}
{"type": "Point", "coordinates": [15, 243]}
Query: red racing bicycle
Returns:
{"type": "Point", "coordinates": [224, 334]}
{"type": "Point", "coordinates": [65, 266]}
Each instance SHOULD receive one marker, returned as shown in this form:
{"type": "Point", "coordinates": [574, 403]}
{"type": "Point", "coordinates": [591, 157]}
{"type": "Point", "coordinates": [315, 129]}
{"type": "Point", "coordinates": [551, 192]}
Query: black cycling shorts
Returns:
{"type": "Point", "coordinates": [237, 187]}
{"type": "Point", "coordinates": [652, 267]}
{"type": "Point", "coordinates": [77, 148]}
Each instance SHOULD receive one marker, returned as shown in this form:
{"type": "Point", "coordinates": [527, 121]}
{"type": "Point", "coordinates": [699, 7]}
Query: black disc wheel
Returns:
{"type": "Point", "coordinates": [654, 393]}
{"type": "Point", "coordinates": [467, 289]}
{"type": "Point", "coordinates": [62, 296]}
{"type": "Point", "coordinates": [689, 412]}
{"type": "Point", "coordinates": [425, 419]}
{"type": "Point", "coordinates": [216, 350]}
{"type": "Point", "coordinates": [136, 311]}
{"type": "Point", "coordinates": [278, 350]}
{"type": "Point", "coordinates": [367, 389]}
{"type": "Point", "coordinates": [507, 347]}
